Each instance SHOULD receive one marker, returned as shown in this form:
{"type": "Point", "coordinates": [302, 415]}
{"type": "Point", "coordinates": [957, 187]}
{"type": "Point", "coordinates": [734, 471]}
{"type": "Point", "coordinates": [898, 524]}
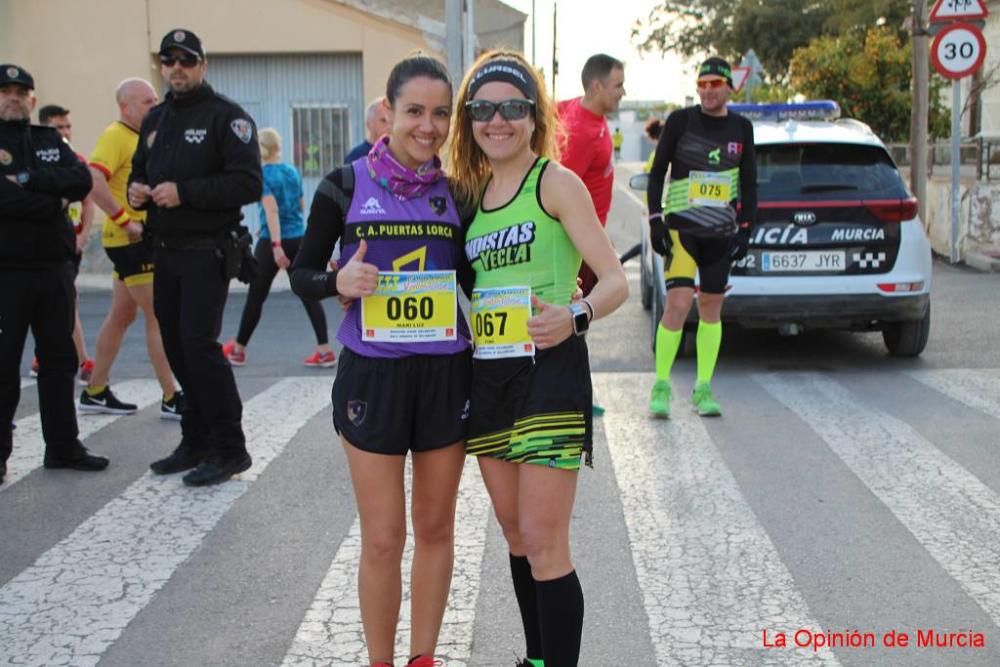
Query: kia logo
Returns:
{"type": "Point", "coordinates": [804, 218]}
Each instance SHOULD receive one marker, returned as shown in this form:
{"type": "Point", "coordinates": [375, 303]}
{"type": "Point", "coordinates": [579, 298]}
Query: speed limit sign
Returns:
{"type": "Point", "coordinates": [958, 50]}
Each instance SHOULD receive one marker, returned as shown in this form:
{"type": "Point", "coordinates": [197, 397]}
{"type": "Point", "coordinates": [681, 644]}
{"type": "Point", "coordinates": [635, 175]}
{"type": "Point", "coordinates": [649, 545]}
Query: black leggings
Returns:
{"type": "Point", "coordinates": [260, 288]}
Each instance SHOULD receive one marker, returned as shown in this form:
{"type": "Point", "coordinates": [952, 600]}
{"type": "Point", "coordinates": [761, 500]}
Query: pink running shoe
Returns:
{"type": "Point", "coordinates": [233, 356]}
{"type": "Point", "coordinates": [86, 371]}
{"type": "Point", "coordinates": [321, 360]}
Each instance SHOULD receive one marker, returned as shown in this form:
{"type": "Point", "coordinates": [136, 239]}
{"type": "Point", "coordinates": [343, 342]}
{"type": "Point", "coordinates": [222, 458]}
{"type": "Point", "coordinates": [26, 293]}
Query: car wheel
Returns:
{"type": "Point", "coordinates": [907, 339]}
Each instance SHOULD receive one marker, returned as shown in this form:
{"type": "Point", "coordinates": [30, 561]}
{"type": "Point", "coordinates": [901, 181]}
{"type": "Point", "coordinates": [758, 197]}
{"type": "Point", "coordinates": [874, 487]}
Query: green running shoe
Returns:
{"type": "Point", "coordinates": [659, 399]}
{"type": "Point", "coordinates": [704, 401]}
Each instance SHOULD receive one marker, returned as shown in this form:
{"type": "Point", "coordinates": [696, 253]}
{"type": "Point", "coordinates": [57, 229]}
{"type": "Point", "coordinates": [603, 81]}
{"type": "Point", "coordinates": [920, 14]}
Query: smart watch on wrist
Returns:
{"type": "Point", "coordinates": [581, 322]}
{"type": "Point", "coordinates": [23, 177]}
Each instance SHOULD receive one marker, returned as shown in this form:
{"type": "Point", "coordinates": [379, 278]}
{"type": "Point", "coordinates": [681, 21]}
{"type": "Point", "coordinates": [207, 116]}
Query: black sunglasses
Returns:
{"type": "Point", "coordinates": [484, 110]}
{"type": "Point", "coordinates": [186, 61]}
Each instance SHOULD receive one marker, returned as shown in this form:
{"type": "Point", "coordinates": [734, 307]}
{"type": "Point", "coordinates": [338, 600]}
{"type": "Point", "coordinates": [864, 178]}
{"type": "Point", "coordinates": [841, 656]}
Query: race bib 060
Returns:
{"type": "Point", "coordinates": [410, 307]}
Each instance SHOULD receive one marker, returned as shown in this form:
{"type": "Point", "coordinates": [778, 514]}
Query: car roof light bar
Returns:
{"type": "Point", "coordinates": [812, 110]}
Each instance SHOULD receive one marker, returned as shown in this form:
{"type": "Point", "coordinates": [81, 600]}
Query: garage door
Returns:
{"type": "Point", "coordinates": [315, 102]}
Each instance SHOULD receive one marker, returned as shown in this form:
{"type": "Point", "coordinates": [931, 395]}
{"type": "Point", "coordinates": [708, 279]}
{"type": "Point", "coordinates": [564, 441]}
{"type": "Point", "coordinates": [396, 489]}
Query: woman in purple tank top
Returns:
{"type": "Point", "coordinates": [403, 378]}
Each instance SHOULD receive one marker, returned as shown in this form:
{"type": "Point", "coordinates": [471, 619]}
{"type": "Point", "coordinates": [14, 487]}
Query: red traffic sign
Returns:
{"type": "Point", "coordinates": [957, 10]}
{"type": "Point", "coordinates": [740, 76]}
{"type": "Point", "coordinates": [958, 50]}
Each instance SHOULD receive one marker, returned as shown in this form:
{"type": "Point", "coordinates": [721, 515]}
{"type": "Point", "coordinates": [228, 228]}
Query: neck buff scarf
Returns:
{"type": "Point", "coordinates": [400, 180]}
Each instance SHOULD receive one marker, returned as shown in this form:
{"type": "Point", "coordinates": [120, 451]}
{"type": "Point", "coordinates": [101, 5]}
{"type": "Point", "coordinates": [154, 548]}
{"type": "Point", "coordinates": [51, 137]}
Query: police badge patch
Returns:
{"type": "Point", "coordinates": [438, 204]}
{"type": "Point", "coordinates": [356, 411]}
{"type": "Point", "coordinates": [242, 129]}
{"type": "Point", "coordinates": [5, 158]}
{"type": "Point", "coordinates": [150, 138]}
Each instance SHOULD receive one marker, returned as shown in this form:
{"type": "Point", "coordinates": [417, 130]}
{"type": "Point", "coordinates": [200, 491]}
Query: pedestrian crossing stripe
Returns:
{"type": "Point", "coordinates": [709, 574]}
{"type": "Point", "coordinates": [702, 556]}
{"type": "Point", "coordinates": [954, 515]}
{"type": "Point", "coordinates": [78, 597]}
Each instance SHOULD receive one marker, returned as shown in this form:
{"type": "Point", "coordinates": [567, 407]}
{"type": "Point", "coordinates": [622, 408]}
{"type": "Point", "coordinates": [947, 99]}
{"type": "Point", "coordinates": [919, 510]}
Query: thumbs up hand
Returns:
{"type": "Point", "coordinates": [357, 278]}
{"type": "Point", "coordinates": [550, 325]}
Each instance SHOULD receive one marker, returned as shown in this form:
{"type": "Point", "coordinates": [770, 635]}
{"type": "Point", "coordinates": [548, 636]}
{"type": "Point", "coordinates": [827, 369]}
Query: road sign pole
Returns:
{"type": "Point", "coordinates": [956, 131]}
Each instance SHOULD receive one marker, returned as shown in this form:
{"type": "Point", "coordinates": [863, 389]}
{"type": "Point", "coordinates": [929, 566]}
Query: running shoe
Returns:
{"type": "Point", "coordinates": [704, 401]}
{"type": "Point", "coordinates": [86, 371]}
{"type": "Point", "coordinates": [659, 399]}
{"type": "Point", "coordinates": [321, 360]}
{"type": "Point", "coordinates": [105, 403]}
{"type": "Point", "coordinates": [34, 367]}
{"type": "Point", "coordinates": [424, 661]}
{"type": "Point", "coordinates": [173, 408]}
{"type": "Point", "coordinates": [530, 662]}
{"type": "Point", "coordinates": [233, 356]}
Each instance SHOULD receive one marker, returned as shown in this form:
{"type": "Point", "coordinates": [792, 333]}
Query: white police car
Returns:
{"type": "Point", "coordinates": [837, 243]}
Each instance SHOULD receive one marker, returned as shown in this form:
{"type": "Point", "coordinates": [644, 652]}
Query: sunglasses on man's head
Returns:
{"type": "Point", "coordinates": [484, 110]}
{"type": "Point", "coordinates": [189, 60]}
{"type": "Point", "coordinates": [711, 83]}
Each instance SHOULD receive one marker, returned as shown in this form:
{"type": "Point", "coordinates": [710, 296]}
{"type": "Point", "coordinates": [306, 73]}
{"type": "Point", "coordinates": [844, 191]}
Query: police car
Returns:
{"type": "Point", "coordinates": [837, 243]}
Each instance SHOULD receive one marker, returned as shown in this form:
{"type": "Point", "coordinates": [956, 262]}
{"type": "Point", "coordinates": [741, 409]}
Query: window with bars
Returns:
{"type": "Point", "coordinates": [319, 135]}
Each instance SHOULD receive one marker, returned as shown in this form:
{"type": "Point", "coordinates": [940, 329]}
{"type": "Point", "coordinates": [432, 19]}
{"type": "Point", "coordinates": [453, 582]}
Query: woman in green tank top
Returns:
{"type": "Point", "coordinates": [530, 410]}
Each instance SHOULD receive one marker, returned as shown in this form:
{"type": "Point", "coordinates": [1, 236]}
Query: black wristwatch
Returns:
{"type": "Point", "coordinates": [581, 320]}
{"type": "Point", "coordinates": [22, 177]}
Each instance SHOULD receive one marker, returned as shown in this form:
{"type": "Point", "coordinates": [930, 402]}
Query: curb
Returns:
{"type": "Point", "coordinates": [982, 262]}
{"type": "Point", "coordinates": [103, 281]}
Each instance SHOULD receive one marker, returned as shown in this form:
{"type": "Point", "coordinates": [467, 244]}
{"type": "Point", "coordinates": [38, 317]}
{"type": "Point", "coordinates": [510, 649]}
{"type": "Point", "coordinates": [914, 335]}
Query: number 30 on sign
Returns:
{"type": "Point", "coordinates": [958, 50]}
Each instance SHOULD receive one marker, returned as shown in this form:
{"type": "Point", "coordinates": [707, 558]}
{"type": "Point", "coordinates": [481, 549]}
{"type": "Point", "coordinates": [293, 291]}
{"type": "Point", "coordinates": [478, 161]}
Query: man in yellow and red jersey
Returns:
{"type": "Point", "coordinates": [121, 236]}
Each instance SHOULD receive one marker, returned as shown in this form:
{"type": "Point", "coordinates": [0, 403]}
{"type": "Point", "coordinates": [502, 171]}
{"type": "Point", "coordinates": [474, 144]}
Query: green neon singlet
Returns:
{"type": "Point", "coordinates": [520, 244]}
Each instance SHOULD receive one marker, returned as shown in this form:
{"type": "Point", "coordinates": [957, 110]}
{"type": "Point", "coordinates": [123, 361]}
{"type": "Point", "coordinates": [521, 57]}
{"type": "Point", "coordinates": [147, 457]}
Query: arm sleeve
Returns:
{"type": "Point", "coordinates": [310, 275]}
{"type": "Point", "coordinates": [70, 179]}
{"type": "Point", "coordinates": [672, 130]}
{"type": "Point", "coordinates": [748, 177]}
{"type": "Point", "coordinates": [138, 173]}
{"type": "Point", "coordinates": [465, 275]}
{"type": "Point", "coordinates": [239, 182]}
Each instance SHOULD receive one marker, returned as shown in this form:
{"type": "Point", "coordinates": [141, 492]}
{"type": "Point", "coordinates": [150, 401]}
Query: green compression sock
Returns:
{"type": "Point", "coordinates": [667, 344]}
{"type": "Point", "coordinates": [709, 341]}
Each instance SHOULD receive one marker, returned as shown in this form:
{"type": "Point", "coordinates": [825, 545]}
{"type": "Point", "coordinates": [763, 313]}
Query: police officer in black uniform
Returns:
{"type": "Point", "coordinates": [39, 176]}
{"type": "Point", "coordinates": [196, 164]}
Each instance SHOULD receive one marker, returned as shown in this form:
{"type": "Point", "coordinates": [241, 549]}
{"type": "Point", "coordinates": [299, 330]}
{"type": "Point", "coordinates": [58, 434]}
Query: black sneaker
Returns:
{"type": "Point", "coordinates": [85, 462]}
{"type": "Point", "coordinates": [216, 470]}
{"type": "Point", "coordinates": [181, 459]}
{"type": "Point", "coordinates": [173, 408]}
{"type": "Point", "coordinates": [105, 403]}
{"type": "Point", "coordinates": [3, 471]}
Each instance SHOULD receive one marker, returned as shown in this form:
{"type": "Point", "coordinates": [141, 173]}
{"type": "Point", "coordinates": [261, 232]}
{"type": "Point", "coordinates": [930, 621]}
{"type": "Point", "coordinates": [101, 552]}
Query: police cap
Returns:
{"type": "Point", "coordinates": [182, 39]}
{"type": "Point", "coordinates": [13, 74]}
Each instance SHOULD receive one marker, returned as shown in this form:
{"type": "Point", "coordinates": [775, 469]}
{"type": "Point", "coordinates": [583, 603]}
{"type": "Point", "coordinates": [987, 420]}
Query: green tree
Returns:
{"type": "Point", "coordinates": [697, 28]}
{"type": "Point", "coordinates": [868, 73]}
{"type": "Point", "coordinates": [772, 28]}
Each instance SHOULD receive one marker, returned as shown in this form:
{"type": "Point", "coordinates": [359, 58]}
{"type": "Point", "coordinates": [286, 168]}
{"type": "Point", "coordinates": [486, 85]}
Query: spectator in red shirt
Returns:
{"type": "Point", "coordinates": [586, 142]}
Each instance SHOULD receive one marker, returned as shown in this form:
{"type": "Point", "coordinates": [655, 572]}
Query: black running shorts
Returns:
{"type": "Point", "coordinates": [133, 263]}
{"type": "Point", "coordinates": [537, 410]}
{"type": "Point", "coordinates": [710, 257]}
{"type": "Point", "coordinates": [391, 406]}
